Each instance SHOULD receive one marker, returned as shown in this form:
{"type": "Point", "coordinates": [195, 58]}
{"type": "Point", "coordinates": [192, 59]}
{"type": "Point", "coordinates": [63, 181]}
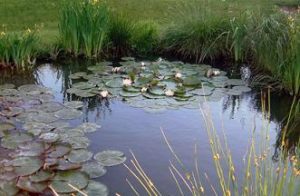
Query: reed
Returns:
{"type": "Point", "coordinates": [83, 27]}
{"type": "Point", "coordinates": [18, 49]}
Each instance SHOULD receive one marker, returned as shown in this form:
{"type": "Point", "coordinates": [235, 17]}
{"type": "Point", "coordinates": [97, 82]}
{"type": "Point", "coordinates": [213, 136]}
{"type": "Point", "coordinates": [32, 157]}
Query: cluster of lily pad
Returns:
{"type": "Point", "coordinates": [41, 151]}
{"type": "Point", "coordinates": [157, 85]}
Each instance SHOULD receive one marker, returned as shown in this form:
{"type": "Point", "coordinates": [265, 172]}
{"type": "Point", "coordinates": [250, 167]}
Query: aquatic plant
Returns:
{"type": "Point", "coordinates": [18, 49]}
{"type": "Point", "coordinates": [83, 27]}
{"type": "Point", "coordinates": [156, 86]}
{"type": "Point", "coordinates": [45, 155]}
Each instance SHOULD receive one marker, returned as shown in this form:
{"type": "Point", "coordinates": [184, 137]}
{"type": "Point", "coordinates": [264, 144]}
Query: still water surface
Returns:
{"type": "Point", "coordinates": [126, 128]}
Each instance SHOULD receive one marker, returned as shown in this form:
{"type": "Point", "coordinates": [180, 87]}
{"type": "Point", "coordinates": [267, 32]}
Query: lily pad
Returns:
{"type": "Point", "coordinates": [115, 83]}
{"type": "Point", "coordinates": [50, 107]}
{"type": "Point", "coordinates": [192, 81]}
{"type": "Point", "coordinates": [74, 104]}
{"type": "Point", "coordinates": [243, 89]}
{"type": "Point", "coordinates": [89, 127]}
{"type": "Point", "coordinates": [26, 165]}
{"type": "Point", "coordinates": [8, 188]}
{"type": "Point", "coordinates": [62, 180]}
{"type": "Point", "coordinates": [65, 165]}
{"type": "Point", "coordinates": [12, 141]}
{"type": "Point", "coordinates": [68, 114]}
{"type": "Point", "coordinates": [79, 156]}
{"type": "Point", "coordinates": [49, 137]}
{"type": "Point", "coordinates": [110, 157]}
{"type": "Point", "coordinates": [96, 189]}
{"type": "Point", "coordinates": [25, 184]}
{"type": "Point", "coordinates": [94, 169]}
{"type": "Point", "coordinates": [44, 117]}
{"type": "Point", "coordinates": [59, 151]}
{"type": "Point", "coordinates": [129, 94]}
{"type": "Point", "coordinates": [41, 176]}
{"type": "Point", "coordinates": [78, 75]}
{"type": "Point", "coordinates": [12, 111]}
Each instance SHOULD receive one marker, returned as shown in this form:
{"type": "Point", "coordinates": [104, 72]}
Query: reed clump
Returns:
{"type": "Point", "coordinates": [18, 49]}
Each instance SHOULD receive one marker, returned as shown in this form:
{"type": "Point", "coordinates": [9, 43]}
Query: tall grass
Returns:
{"type": "Point", "coordinates": [261, 176]}
{"type": "Point", "coordinates": [197, 33]}
{"type": "Point", "coordinates": [18, 49]}
{"type": "Point", "coordinates": [120, 34]}
{"type": "Point", "coordinates": [145, 40]}
{"type": "Point", "coordinates": [83, 27]}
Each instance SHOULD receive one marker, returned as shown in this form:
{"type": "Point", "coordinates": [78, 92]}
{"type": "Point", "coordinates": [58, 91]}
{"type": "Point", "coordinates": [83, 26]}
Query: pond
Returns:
{"type": "Point", "coordinates": [132, 120]}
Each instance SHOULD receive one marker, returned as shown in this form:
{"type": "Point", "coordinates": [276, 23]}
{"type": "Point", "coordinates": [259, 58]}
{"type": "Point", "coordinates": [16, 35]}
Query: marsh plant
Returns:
{"type": "Point", "coordinates": [120, 34]}
{"type": "Point", "coordinates": [197, 34]}
{"type": "Point", "coordinates": [18, 49]}
{"type": "Point", "coordinates": [83, 27]}
{"type": "Point", "coordinates": [260, 174]}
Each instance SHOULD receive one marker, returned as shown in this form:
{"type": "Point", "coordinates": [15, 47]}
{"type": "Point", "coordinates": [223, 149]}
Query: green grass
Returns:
{"type": "Point", "coordinates": [18, 15]}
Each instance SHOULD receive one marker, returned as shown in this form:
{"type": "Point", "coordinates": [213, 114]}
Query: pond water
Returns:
{"type": "Point", "coordinates": [126, 128]}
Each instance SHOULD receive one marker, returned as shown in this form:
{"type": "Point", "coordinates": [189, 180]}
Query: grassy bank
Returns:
{"type": "Point", "coordinates": [18, 15]}
{"type": "Point", "coordinates": [255, 32]}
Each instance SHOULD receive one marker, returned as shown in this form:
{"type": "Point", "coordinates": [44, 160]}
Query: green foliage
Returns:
{"type": "Point", "coordinates": [83, 27]}
{"type": "Point", "coordinates": [120, 35]}
{"type": "Point", "coordinates": [197, 32]}
{"type": "Point", "coordinates": [19, 49]}
{"type": "Point", "coordinates": [291, 69]}
{"type": "Point", "coordinates": [145, 38]}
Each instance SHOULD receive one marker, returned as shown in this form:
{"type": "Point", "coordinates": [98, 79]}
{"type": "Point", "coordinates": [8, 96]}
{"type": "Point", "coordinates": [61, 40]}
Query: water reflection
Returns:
{"type": "Point", "coordinates": [124, 127]}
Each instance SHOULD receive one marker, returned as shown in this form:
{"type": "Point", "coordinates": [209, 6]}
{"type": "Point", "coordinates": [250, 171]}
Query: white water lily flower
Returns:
{"type": "Point", "coordinates": [144, 89]}
{"type": "Point", "coordinates": [216, 72]}
{"type": "Point", "coordinates": [104, 93]}
{"type": "Point", "coordinates": [169, 93]}
{"type": "Point", "coordinates": [116, 69]}
{"type": "Point", "coordinates": [127, 82]}
{"type": "Point", "coordinates": [178, 75]}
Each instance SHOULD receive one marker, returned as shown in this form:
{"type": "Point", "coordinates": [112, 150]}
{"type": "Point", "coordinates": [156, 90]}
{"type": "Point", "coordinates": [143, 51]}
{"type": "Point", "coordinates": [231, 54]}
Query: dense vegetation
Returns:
{"type": "Point", "coordinates": [252, 32]}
